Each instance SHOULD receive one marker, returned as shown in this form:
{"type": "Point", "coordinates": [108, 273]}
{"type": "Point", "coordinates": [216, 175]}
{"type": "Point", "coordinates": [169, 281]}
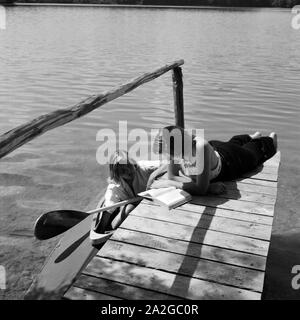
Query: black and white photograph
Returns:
{"type": "Point", "coordinates": [149, 153]}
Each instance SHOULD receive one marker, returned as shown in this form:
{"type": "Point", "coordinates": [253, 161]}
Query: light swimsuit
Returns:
{"type": "Point", "coordinates": [191, 169]}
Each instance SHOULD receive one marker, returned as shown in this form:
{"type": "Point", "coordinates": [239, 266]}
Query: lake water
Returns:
{"type": "Point", "coordinates": [241, 74]}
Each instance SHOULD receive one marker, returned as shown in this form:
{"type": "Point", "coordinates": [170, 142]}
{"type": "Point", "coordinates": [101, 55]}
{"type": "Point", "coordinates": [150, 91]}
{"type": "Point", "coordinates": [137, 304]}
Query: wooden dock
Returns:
{"type": "Point", "coordinates": [211, 248]}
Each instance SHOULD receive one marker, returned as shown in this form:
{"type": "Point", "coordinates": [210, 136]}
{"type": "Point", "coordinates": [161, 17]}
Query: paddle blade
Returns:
{"type": "Point", "coordinates": [53, 223]}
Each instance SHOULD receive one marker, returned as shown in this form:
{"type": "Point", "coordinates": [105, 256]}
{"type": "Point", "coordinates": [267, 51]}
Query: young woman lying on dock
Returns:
{"type": "Point", "coordinates": [126, 179]}
{"type": "Point", "coordinates": [222, 161]}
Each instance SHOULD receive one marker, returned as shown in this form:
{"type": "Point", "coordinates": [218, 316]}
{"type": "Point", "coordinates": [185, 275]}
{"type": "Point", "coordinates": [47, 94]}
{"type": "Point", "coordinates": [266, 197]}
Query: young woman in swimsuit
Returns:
{"type": "Point", "coordinates": [219, 161]}
{"type": "Point", "coordinates": [127, 178]}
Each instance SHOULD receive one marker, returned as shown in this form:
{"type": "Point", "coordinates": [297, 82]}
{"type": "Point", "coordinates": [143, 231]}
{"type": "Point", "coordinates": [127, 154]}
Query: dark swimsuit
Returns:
{"type": "Point", "coordinates": [242, 154]}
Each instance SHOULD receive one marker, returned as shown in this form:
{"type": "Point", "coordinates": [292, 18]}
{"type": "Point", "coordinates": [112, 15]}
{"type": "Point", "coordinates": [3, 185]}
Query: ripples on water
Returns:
{"type": "Point", "coordinates": [241, 74]}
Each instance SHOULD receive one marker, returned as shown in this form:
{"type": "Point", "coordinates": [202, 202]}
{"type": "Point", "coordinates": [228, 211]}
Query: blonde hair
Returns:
{"type": "Point", "coordinates": [119, 160]}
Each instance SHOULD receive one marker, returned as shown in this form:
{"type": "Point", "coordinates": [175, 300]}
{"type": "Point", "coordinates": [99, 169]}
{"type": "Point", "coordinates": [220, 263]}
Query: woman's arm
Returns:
{"type": "Point", "coordinates": [200, 184]}
{"type": "Point", "coordinates": [122, 215]}
{"type": "Point", "coordinates": [202, 180]}
{"type": "Point", "coordinates": [173, 169]}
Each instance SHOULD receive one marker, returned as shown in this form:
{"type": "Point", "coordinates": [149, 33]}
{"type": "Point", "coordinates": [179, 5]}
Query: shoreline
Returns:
{"type": "Point", "coordinates": [143, 6]}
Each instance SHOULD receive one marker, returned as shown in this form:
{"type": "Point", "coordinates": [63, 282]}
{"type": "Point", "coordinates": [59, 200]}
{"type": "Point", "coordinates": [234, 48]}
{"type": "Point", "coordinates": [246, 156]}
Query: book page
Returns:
{"type": "Point", "coordinates": [153, 193]}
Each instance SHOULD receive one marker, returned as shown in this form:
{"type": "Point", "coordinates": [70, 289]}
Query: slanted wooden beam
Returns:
{"type": "Point", "coordinates": [15, 138]}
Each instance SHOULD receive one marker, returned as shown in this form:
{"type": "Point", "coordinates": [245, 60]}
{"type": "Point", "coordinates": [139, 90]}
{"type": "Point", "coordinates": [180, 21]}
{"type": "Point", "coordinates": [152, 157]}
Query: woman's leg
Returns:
{"type": "Point", "coordinates": [256, 135]}
{"type": "Point", "coordinates": [244, 138]}
{"type": "Point", "coordinates": [236, 160]}
{"type": "Point", "coordinates": [240, 139]}
{"type": "Point", "coordinates": [262, 148]}
{"type": "Point", "coordinates": [242, 154]}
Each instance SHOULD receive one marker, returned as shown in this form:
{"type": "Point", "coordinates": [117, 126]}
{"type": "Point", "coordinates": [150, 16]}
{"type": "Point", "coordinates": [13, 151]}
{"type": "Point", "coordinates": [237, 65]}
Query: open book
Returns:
{"type": "Point", "coordinates": [169, 197]}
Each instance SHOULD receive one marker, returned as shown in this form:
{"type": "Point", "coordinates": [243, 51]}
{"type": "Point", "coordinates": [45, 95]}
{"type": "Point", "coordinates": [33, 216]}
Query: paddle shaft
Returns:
{"type": "Point", "coordinates": [116, 205]}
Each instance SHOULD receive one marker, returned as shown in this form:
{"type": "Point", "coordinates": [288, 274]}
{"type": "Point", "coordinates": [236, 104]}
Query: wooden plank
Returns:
{"type": "Point", "coordinates": [197, 235]}
{"type": "Point", "coordinates": [164, 282]}
{"type": "Point", "coordinates": [15, 138]}
{"type": "Point", "coordinates": [119, 290]}
{"type": "Point", "coordinates": [75, 293]}
{"type": "Point", "coordinates": [236, 205]}
{"type": "Point", "coordinates": [184, 265]}
{"type": "Point", "coordinates": [191, 249]}
{"type": "Point", "coordinates": [247, 196]}
{"type": "Point", "coordinates": [244, 216]}
{"type": "Point", "coordinates": [240, 186]}
{"type": "Point", "coordinates": [258, 182]}
{"type": "Point", "coordinates": [247, 229]}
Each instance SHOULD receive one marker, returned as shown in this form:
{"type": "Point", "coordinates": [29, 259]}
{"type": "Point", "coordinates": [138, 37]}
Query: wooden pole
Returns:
{"type": "Point", "coordinates": [178, 96]}
{"type": "Point", "coordinates": [15, 138]}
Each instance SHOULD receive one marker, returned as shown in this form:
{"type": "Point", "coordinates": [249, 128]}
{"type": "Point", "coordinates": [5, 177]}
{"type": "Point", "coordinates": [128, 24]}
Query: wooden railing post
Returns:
{"type": "Point", "coordinates": [178, 96]}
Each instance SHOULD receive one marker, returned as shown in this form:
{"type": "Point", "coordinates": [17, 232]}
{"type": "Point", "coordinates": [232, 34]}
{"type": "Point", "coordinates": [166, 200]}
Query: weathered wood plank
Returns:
{"type": "Point", "coordinates": [184, 265]}
{"type": "Point", "coordinates": [119, 290]}
{"type": "Point", "coordinates": [247, 196]}
{"type": "Point", "coordinates": [258, 182]}
{"type": "Point", "coordinates": [236, 205]}
{"type": "Point", "coordinates": [164, 282]}
{"type": "Point", "coordinates": [197, 235]}
{"type": "Point", "coordinates": [15, 138]}
{"type": "Point", "coordinates": [75, 293]}
{"type": "Point", "coordinates": [191, 249]}
{"type": "Point", "coordinates": [240, 186]}
{"type": "Point", "coordinates": [244, 216]}
{"type": "Point", "coordinates": [247, 229]}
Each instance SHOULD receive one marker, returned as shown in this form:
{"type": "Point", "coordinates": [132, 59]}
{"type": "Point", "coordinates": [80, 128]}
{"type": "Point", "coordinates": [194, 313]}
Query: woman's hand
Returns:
{"type": "Point", "coordinates": [217, 188]}
{"type": "Point", "coordinates": [160, 184]}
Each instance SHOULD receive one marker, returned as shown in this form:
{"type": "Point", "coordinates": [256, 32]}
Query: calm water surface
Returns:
{"type": "Point", "coordinates": [241, 74]}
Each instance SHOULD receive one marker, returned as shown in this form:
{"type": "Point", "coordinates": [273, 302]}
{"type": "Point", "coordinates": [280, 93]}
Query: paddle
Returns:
{"type": "Point", "coordinates": [53, 223]}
